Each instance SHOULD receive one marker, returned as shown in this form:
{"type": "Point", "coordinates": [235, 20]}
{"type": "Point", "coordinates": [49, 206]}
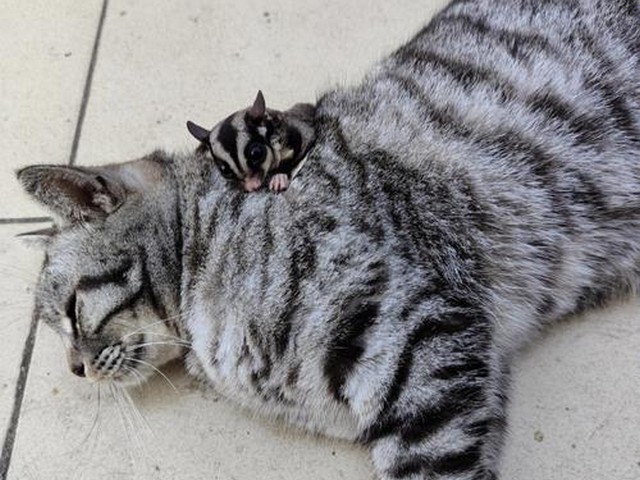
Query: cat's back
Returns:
{"type": "Point", "coordinates": [517, 121]}
{"type": "Point", "coordinates": [487, 76]}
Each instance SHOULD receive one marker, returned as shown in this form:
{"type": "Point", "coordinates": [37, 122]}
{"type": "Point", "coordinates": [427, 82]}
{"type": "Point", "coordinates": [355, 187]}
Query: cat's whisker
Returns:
{"type": "Point", "coordinates": [129, 426]}
{"type": "Point", "coordinates": [16, 303]}
{"type": "Point", "coordinates": [142, 380]}
{"type": "Point", "coordinates": [19, 320]}
{"type": "Point", "coordinates": [94, 423]}
{"type": "Point", "coordinates": [137, 413]}
{"type": "Point", "coordinates": [119, 409]}
{"type": "Point", "coordinates": [140, 424]}
{"type": "Point", "coordinates": [177, 316]}
{"type": "Point", "coordinates": [94, 443]}
{"type": "Point", "coordinates": [149, 344]}
{"type": "Point", "coordinates": [18, 268]}
{"type": "Point", "coordinates": [138, 330]}
{"type": "Point", "coordinates": [156, 370]}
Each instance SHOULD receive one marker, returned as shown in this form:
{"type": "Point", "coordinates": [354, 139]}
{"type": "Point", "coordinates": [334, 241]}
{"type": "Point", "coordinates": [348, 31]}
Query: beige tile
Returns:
{"type": "Point", "coordinates": [18, 270]}
{"type": "Point", "coordinates": [164, 62]}
{"type": "Point", "coordinates": [46, 51]}
{"type": "Point", "coordinates": [575, 412]}
{"type": "Point", "coordinates": [190, 435]}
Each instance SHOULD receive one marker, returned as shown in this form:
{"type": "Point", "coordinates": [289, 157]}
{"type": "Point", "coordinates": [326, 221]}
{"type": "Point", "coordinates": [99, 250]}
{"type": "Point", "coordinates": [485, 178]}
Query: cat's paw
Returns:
{"type": "Point", "coordinates": [279, 182]}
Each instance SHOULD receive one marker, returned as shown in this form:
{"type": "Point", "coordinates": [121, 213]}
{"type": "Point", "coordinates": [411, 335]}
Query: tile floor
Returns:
{"type": "Point", "coordinates": [95, 81]}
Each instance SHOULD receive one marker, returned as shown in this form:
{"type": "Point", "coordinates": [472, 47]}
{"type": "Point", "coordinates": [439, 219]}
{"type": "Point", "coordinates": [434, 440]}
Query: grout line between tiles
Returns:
{"type": "Point", "coordinates": [87, 86]}
{"type": "Point", "coordinates": [11, 221]}
{"type": "Point", "coordinates": [27, 353]}
{"type": "Point", "coordinates": [10, 436]}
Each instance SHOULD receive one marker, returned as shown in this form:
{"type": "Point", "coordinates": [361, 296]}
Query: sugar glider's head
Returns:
{"type": "Point", "coordinates": [243, 145]}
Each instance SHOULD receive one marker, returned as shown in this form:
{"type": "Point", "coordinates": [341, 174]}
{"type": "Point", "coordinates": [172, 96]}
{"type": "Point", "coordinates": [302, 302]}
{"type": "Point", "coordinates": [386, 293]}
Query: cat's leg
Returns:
{"type": "Point", "coordinates": [447, 422]}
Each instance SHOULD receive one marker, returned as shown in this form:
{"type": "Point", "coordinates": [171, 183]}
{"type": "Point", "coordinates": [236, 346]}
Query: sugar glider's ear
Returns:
{"type": "Point", "coordinates": [200, 133]}
{"type": "Point", "coordinates": [259, 108]}
{"type": "Point", "coordinates": [89, 193]}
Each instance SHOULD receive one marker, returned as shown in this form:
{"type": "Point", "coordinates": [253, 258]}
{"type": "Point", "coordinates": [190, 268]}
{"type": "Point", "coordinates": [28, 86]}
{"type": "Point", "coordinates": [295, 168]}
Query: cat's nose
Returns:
{"type": "Point", "coordinates": [78, 369]}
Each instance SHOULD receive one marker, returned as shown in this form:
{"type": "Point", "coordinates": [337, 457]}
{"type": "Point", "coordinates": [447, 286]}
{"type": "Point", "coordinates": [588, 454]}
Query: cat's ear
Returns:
{"type": "Point", "coordinates": [259, 108]}
{"type": "Point", "coordinates": [81, 193]}
{"type": "Point", "coordinates": [200, 133]}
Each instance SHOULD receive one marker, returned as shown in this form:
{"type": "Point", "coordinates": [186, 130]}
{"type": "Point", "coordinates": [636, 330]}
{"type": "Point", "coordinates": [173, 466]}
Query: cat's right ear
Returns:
{"type": "Point", "coordinates": [200, 133]}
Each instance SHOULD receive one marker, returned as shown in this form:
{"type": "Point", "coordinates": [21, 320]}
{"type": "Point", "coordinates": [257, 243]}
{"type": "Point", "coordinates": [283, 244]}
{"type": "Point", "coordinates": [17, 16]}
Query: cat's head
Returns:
{"type": "Point", "coordinates": [110, 279]}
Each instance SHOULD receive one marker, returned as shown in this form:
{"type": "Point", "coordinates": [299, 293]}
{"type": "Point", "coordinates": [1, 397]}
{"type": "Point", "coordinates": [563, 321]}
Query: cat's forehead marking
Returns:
{"type": "Point", "coordinates": [116, 274]}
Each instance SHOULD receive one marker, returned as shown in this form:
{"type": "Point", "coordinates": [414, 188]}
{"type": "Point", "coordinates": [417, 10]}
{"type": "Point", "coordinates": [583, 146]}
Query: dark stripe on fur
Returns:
{"type": "Point", "coordinates": [390, 421]}
{"type": "Point", "coordinates": [228, 139]}
{"type": "Point", "coordinates": [347, 346]}
{"type": "Point", "coordinates": [154, 299]}
{"type": "Point", "coordinates": [302, 264]}
{"type": "Point", "coordinates": [117, 276]}
{"type": "Point", "coordinates": [459, 399]}
{"type": "Point", "coordinates": [472, 367]}
{"type": "Point", "coordinates": [513, 41]}
{"type": "Point", "coordinates": [459, 462]}
{"type": "Point", "coordinates": [441, 118]}
{"type": "Point", "coordinates": [587, 130]}
{"type": "Point", "coordinates": [463, 72]}
{"type": "Point", "coordinates": [128, 304]}
{"type": "Point", "coordinates": [294, 141]}
{"type": "Point", "coordinates": [619, 111]}
{"type": "Point", "coordinates": [409, 467]}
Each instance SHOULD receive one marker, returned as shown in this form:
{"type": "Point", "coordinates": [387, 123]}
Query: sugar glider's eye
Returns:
{"type": "Point", "coordinates": [255, 153]}
{"type": "Point", "coordinates": [226, 171]}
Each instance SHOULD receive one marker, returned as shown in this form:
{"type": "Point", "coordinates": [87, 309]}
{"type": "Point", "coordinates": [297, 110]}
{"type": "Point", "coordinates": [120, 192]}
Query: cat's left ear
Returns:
{"type": "Point", "coordinates": [85, 194]}
{"type": "Point", "coordinates": [259, 108]}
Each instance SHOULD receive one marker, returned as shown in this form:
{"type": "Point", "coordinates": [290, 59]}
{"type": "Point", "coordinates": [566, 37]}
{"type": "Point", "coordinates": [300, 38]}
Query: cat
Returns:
{"type": "Point", "coordinates": [480, 183]}
{"type": "Point", "coordinates": [257, 142]}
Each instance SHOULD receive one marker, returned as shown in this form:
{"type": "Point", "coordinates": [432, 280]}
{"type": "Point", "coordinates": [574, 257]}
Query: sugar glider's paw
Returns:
{"type": "Point", "coordinates": [279, 182]}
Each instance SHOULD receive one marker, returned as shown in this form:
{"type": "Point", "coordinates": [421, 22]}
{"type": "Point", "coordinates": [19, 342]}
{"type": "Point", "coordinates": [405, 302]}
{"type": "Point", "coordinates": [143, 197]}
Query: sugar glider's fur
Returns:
{"type": "Point", "coordinates": [257, 143]}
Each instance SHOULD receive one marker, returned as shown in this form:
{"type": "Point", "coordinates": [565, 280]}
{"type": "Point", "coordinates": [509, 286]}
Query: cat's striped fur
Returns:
{"type": "Point", "coordinates": [481, 182]}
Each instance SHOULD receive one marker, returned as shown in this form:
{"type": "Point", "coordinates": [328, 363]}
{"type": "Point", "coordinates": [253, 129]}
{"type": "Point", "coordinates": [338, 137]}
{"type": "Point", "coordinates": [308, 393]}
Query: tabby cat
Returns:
{"type": "Point", "coordinates": [482, 181]}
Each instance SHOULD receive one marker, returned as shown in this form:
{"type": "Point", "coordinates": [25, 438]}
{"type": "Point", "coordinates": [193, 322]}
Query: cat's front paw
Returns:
{"type": "Point", "coordinates": [279, 182]}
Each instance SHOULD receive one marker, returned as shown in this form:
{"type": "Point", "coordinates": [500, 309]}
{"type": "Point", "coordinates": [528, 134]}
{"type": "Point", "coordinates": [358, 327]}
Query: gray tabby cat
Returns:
{"type": "Point", "coordinates": [482, 182]}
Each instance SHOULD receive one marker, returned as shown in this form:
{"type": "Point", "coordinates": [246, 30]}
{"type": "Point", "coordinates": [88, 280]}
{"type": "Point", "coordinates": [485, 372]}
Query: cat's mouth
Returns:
{"type": "Point", "coordinates": [117, 362]}
{"type": "Point", "coordinates": [107, 363]}
{"type": "Point", "coordinates": [128, 363]}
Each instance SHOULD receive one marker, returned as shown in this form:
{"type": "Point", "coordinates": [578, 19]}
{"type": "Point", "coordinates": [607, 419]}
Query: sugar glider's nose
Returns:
{"type": "Point", "coordinates": [252, 183]}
